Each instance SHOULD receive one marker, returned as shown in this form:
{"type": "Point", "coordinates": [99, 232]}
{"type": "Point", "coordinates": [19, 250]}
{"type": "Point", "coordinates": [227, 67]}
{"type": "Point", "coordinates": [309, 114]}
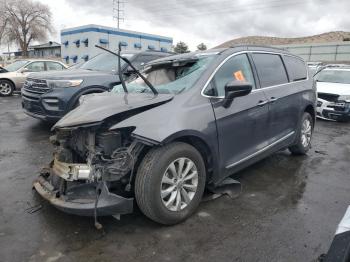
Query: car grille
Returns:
{"type": "Point", "coordinates": [328, 97]}
{"type": "Point", "coordinates": [36, 86]}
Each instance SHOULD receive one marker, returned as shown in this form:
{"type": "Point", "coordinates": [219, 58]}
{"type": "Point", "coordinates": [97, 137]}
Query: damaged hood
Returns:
{"type": "Point", "coordinates": [97, 107]}
{"type": "Point", "coordinates": [333, 88]}
{"type": "Point", "coordinates": [69, 74]}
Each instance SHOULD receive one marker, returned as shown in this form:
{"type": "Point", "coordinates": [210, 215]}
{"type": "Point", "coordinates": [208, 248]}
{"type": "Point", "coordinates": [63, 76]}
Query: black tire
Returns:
{"type": "Point", "coordinates": [300, 148]}
{"type": "Point", "coordinates": [149, 177]}
{"type": "Point", "coordinates": [9, 88]}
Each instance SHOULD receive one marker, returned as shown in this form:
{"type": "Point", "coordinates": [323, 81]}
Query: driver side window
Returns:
{"type": "Point", "coordinates": [236, 68]}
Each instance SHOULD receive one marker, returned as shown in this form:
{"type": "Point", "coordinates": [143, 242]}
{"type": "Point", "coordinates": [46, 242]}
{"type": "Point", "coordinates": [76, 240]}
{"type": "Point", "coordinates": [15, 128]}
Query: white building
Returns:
{"type": "Point", "coordinates": [78, 43]}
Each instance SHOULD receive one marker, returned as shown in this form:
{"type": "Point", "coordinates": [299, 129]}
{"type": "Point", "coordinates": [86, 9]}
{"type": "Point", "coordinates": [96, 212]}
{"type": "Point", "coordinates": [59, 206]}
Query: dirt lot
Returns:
{"type": "Point", "coordinates": [288, 210]}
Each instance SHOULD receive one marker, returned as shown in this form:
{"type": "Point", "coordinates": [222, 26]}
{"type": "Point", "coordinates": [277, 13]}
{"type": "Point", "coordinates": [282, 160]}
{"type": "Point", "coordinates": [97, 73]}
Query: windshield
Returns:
{"type": "Point", "coordinates": [105, 62]}
{"type": "Point", "coordinates": [15, 65]}
{"type": "Point", "coordinates": [169, 78]}
{"type": "Point", "coordinates": [334, 76]}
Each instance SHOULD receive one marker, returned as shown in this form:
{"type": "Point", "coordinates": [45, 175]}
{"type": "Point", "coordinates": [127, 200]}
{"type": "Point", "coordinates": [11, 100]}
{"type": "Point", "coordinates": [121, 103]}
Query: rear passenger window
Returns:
{"type": "Point", "coordinates": [270, 69]}
{"type": "Point", "coordinates": [296, 68]}
{"type": "Point", "coordinates": [236, 68]}
{"type": "Point", "coordinates": [51, 66]}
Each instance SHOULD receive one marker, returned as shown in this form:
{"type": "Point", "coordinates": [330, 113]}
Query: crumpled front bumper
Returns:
{"type": "Point", "coordinates": [333, 111]}
{"type": "Point", "coordinates": [81, 199]}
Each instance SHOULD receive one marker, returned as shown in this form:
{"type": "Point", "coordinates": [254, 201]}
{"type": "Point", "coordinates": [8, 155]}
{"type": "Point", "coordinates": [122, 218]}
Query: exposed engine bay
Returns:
{"type": "Point", "coordinates": [94, 156]}
{"type": "Point", "coordinates": [92, 171]}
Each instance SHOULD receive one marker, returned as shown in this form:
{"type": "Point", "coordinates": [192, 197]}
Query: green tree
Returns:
{"type": "Point", "coordinates": [181, 48]}
{"type": "Point", "coordinates": [202, 47]}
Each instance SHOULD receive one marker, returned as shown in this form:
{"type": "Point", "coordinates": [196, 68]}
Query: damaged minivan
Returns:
{"type": "Point", "coordinates": [187, 122]}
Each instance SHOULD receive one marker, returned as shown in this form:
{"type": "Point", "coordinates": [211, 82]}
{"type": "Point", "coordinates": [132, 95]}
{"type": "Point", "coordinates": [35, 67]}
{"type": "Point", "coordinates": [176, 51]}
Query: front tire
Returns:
{"type": "Point", "coordinates": [304, 136]}
{"type": "Point", "coordinates": [170, 183]}
{"type": "Point", "coordinates": [6, 88]}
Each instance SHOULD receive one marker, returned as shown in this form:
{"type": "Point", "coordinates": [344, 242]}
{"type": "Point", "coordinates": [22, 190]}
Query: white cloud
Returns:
{"type": "Point", "coordinates": [208, 21]}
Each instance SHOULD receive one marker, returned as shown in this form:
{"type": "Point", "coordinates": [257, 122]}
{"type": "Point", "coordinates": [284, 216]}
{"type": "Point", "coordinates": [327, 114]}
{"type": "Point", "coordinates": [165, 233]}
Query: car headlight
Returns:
{"type": "Point", "coordinates": [63, 83]}
{"type": "Point", "coordinates": [345, 98]}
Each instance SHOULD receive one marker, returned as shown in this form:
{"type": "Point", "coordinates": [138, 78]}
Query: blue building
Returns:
{"type": "Point", "coordinates": [78, 43]}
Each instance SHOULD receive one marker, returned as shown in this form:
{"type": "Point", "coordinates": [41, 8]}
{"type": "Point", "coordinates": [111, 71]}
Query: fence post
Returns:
{"type": "Point", "coordinates": [336, 52]}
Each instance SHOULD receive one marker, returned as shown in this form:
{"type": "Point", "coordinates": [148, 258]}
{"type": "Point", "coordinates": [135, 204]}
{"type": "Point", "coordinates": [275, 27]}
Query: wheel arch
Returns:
{"type": "Point", "coordinates": [199, 143]}
{"type": "Point", "coordinates": [11, 81]}
{"type": "Point", "coordinates": [86, 91]}
{"type": "Point", "coordinates": [311, 110]}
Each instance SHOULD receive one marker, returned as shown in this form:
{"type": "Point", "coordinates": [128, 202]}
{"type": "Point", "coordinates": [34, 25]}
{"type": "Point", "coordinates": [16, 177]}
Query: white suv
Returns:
{"type": "Point", "coordinates": [333, 88]}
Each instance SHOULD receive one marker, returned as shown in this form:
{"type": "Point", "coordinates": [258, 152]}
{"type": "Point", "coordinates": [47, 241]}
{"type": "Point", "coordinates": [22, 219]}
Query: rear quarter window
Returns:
{"type": "Point", "coordinates": [296, 68]}
{"type": "Point", "coordinates": [270, 69]}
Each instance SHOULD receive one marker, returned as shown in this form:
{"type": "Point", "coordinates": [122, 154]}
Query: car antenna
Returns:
{"type": "Point", "coordinates": [155, 92]}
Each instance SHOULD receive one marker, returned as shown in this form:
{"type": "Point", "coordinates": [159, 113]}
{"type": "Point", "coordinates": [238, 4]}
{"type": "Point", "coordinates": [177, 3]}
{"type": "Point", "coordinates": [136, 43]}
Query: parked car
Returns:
{"type": "Point", "coordinates": [210, 114]}
{"type": "Point", "coordinates": [14, 75]}
{"type": "Point", "coordinates": [333, 88]}
{"type": "Point", "coordinates": [49, 96]}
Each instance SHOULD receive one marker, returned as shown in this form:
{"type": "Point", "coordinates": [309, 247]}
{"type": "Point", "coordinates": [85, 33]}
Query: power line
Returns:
{"type": "Point", "coordinates": [118, 11]}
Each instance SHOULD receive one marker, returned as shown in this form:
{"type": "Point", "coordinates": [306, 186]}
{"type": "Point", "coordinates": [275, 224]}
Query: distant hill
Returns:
{"type": "Point", "coordinates": [336, 36]}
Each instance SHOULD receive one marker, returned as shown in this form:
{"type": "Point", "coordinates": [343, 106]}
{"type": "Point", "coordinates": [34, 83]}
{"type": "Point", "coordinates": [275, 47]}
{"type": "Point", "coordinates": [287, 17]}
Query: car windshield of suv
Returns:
{"type": "Point", "coordinates": [334, 76]}
{"type": "Point", "coordinates": [105, 62]}
{"type": "Point", "coordinates": [15, 65]}
{"type": "Point", "coordinates": [170, 77]}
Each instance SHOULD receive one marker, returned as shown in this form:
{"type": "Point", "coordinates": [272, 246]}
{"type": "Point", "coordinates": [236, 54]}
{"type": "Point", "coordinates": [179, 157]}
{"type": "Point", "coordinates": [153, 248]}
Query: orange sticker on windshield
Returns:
{"type": "Point", "coordinates": [239, 75]}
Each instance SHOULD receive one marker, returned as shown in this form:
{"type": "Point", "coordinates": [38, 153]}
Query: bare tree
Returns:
{"type": "Point", "coordinates": [24, 21]}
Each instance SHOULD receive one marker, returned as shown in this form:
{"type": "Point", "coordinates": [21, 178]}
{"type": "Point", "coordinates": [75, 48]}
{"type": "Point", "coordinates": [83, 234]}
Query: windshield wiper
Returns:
{"type": "Point", "coordinates": [155, 92]}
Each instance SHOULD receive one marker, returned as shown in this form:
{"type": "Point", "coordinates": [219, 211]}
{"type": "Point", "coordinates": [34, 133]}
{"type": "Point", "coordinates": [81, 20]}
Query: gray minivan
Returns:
{"type": "Point", "coordinates": [196, 120]}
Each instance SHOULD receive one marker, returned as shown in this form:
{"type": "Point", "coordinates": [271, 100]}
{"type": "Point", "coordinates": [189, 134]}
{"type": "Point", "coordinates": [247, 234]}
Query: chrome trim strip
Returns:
{"type": "Point", "coordinates": [260, 151]}
{"type": "Point", "coordinates": [255, 90]}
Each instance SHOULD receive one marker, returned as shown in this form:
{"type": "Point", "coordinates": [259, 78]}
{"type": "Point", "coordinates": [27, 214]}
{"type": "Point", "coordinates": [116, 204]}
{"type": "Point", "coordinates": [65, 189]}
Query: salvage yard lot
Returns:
{"type": "Point", "coordinates": [288, 210]}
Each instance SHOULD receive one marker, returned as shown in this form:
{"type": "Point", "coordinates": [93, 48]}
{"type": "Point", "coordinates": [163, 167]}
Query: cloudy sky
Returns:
{"type": "Point", "coordinates": [209, 21]}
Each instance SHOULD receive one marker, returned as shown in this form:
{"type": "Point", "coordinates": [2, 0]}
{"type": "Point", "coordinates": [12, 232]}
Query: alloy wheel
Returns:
{"type": "Point", "coordinates": [306, 133]}
{"type": "Point", "coordinates": [179, 184]}
{"type": "Point", "coordinates": [5, 88]}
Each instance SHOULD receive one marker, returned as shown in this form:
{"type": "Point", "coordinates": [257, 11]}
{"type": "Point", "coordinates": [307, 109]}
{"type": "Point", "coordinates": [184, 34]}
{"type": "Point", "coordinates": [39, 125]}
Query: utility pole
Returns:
{"type": "Point", "coordinates": [118, 11]}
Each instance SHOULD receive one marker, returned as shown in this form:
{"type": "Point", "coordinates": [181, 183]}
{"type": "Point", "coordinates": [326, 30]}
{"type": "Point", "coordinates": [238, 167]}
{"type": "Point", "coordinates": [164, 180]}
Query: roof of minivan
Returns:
{"type": "Point", "coordinates": [230, 50]}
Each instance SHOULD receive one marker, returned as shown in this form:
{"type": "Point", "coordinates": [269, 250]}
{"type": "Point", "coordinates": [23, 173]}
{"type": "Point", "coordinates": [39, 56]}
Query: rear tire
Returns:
{"type": "Point", "coordinates": [6, 88]}
{"type": "Point", "coordinates": [304, 136]}
{"type": "Point", "coordinates": [170, 183]}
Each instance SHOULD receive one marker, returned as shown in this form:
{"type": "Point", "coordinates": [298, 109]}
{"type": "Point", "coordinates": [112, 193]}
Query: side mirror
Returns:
{"type": "Point", "coordinates": [24, 70]}
{"type": "Point", "coordinates": [235, 89]}
{"type": "Point", "coordinates": [129, 71]}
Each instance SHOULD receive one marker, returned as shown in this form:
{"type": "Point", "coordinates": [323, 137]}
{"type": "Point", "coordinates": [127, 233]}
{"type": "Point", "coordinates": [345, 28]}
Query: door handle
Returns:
{"type": "Point", "coordinates": [263, 102]}
{"type": "Point", "coordinates": [273, 99]}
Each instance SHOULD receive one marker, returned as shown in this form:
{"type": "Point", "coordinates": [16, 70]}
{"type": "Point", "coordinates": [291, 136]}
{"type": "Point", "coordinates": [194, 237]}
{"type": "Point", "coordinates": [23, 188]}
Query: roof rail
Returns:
{"type": "Point", "coordinates": [260, 46]}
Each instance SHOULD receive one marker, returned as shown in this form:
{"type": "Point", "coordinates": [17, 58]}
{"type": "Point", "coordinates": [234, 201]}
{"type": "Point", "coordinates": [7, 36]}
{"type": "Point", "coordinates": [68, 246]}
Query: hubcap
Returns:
{"type": "Point", "coordinates": [5, 88]}
{"type": "Point", "coordinates": [306, 133]}
{"type": "Point", "coordinates": [179, 184]}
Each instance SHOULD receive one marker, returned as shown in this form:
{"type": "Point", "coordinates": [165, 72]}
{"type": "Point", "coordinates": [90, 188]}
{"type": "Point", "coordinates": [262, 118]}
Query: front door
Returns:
{"type": "Point", "coordinates": [242, 128]}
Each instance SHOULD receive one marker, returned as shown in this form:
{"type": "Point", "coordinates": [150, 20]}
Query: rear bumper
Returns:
{"type": "Point", "coordinates": [81, 200]}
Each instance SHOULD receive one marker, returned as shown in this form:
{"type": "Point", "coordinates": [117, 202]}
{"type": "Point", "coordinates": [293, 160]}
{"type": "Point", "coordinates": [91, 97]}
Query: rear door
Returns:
{"type": "Point", "coordinates": [283, 96]}
{"type": "Point", "coordinates": [54, 66]}
{"type": "Point", "coordinates": [241, 127]}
